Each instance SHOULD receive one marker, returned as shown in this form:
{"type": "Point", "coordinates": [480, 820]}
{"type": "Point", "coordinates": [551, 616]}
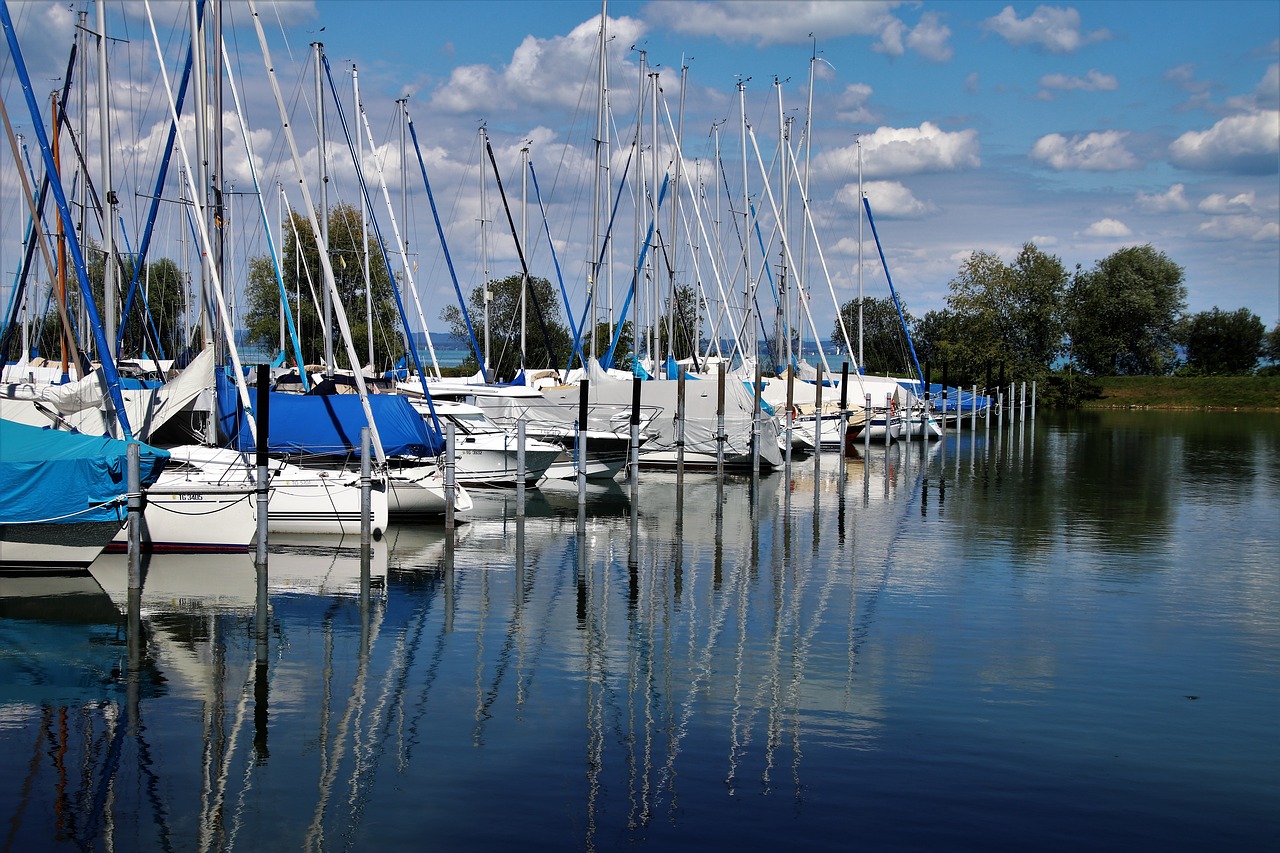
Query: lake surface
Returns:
{"type": "Point", "coordinates": [1060, 635]}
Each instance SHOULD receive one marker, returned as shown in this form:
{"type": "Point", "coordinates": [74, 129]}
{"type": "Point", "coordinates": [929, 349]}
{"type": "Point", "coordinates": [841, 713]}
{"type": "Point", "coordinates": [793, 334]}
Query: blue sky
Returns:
{"type": "Point", "coordinates": [1081, 127]}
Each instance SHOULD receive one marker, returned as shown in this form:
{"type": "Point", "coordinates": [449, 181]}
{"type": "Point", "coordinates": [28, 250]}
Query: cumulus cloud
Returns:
{"type": "Point", "coordinates": [1173, 200]}
{"type": "Point", "coordinates": [796, 21]}
{"type": "Point", "coordinates": [1252, 228]}
{"type": "Point", "coordinates": [1095, 152]}
{"type": "Point", "coordinates": [1050, 28]}
{"type": "Point", "coordinates": [851, 105]}
{"type": "Point", "coordinates": [1268, 91]}
{"type": "Point", "coordinates": [1242, 144]}
{"type": "Point", "coordinates": [1094, 81]}
{"type": "Point", "coordinates": [904, 151]}
{"type": "Point", "coordinates": [1220, 203]}
{"type": "Point", "coordinates": [541, 72]}
{"type": "Point", "coordinates": [889, 199]}
{"type": "Point", "coordinates": [1108, 228]}
{"type": "Point", "coordinates": [929, 38]}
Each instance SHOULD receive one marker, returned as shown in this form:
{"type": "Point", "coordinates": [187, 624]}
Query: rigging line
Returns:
{"type": "Point", "coordinates": [216, 277]}
{"type": "Point", "coordinates": [413, 134]}
{"type": "Point", "coordinates": [524, 266]}
{"type": "Point", "coordinates": [262, 209]}
{"type": "Point", "coordinates": [364, 189]}
{"type": "Point", "coordinates": [573, 329]}
{"type": "Point", "coordinates": [34, 234]}
{"type": "Point", "coordinates": [867, 204]}
{"type": "Point", "coordinates": [109, 374]}
{"type": "Point", "coordinates": [155, 204]}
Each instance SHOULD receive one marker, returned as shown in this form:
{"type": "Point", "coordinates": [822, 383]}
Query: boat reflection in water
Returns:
{"type": "Point", "coordinates": [751, 658]}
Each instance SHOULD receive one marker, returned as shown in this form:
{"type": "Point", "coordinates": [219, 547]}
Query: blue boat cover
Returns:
{"type": "Point", "coordinates": [326, 423]}
{"type": "Point", "coordinates": [51, 476]}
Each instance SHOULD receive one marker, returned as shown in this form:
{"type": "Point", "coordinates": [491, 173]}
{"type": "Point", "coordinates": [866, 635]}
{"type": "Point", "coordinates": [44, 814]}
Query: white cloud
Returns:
{"type": "Point", "coordinates": [889, 199]}
{"type": "Point", "coordinates": [1050, 28]}
{"type": "Point", "coordinates": [1108, 228]}
{"type": "Point", "coordinates": [890, 41]}
{"type": "Point", "coordinates": [1219, 204]}
{"type": "Point", "coordinates": [1243, 144]}
{"type": "Point", "coordinates": [1251, 228]}
{"type": "Point", "coordinates": [1094, 81]}
{"type": "Point", "coordinates": [904, 151]}
{"type": "Point", "coordinates": [542, 72]}
{"type": "Point", "coordinates": [851, 106]}
{"type": "Point", "coordinates": [779, 22]}
{"type": "Point", "coordinates": [1174, 199]}
{"type": "Point", "coordinates": [1044, 241]}
{"type": "Point", "coordinates": [1096, 152]}
{"type": "Point", "coordinates": [929, 38]}
{"type": "Point", "coordinates": [1268, 91]}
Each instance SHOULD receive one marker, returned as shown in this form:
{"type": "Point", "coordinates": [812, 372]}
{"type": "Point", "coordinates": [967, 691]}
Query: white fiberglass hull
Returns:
{"type": "Point", "coordinates": [53, 548]}
{"type": "Point", "coordinates": [185, 516]}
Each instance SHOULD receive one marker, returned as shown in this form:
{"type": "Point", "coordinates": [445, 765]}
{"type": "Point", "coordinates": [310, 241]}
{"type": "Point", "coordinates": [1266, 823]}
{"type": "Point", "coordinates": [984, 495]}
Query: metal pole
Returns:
{"type": "Point", "coordinates": [720, 424]}
{"type": "Point", "coordinates": [366, 490]}
{"type": "Point", "coordinates": [449, 472]}
{"type": "Point", "coordinates": [844, 409]}
{"type": "Point", "coordinates": [680, 387]}
{"type": "Point", "coordinates": [263, 484]}
{"type": "Point", "coordinates": [817, 429]}
{"type": "Point", "coordinates": [1022, 403]}
{"type": "Point", "coordinates": [133, 454]}
{"type": "Point", "coordinates": [973, 408]}
{"type": "Point", "coordinates": [866, 429]}
{"type": "Point", "coordinates": [1033, 399]}
{"type": "Point", "coordinates": [521, 467]}
{"type": "Point", "coordinates": [755, 422]}
{"type": "Point", "coordinates": [635, 436]}
{"type": "Point", "coordinates": [790, 416]}
{"type": "Point", "coordinates": [888, 420]}
{"type": "Point", "coordinates": [584, 395]}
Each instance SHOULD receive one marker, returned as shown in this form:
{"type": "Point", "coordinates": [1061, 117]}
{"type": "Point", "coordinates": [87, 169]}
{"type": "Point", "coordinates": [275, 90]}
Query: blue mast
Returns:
{"type": "Point", "coordinates": [64, 210]}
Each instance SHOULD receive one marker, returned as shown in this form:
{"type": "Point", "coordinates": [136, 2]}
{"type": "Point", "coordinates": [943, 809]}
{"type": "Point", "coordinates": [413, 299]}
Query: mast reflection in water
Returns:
{"type": "Point", "coordinates": [1050, 634]}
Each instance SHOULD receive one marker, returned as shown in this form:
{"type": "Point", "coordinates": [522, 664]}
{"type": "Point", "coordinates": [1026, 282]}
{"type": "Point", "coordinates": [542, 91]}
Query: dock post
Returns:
{"type": "Point", "coordinates": [817, 423]}
{"type": "Point", "coordinates": [888, 420]}
{"type": "Point", "coordinates": [133, 457]}
{"type": "Point", "coordinates": [635, 437]}
{"type": "Point", "coordinates": [1033, 399]}
{"type": "Point", "coordinates": [866, 429]}
{"type": "Point", "coordinates": [755, 423]}
{"type": "Point", "coordinates": [973, 408]}
{"type": "Point", "coordinates": [790, 417]}
{"type": "Point", "coordinates": [521, 466]}
{"type": "Point", "coordinates": [1022, 402]}
{"type": "Point", "coordinates": [584, 396]}
{"type": "Point", "coordinates": [366, 489]}
{"type": "Point", "coordinates": [844, 408]}
{"type": "Point", "coordinates": [450, 470]}
{"type": "Point", "coordinates": [262, 414]}
{"type": "Point", "coordinates": [680, 389]}
{"type": "Point", "coordinates": [720, 436]}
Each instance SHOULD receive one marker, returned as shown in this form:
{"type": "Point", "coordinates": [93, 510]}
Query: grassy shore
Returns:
{"type": "Point", "coordinates": [1243, 393]}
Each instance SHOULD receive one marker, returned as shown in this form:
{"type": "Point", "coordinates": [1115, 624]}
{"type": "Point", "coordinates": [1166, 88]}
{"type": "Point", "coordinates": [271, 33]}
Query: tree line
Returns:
{"type": "Point", "coordinates": [1032, 319]}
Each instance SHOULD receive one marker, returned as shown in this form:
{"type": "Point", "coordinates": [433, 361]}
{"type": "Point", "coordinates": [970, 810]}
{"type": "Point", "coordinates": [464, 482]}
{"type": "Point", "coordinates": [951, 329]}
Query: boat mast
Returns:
{"type": "Point", "coordinates": [593, 269]}
{"type": "Point", "coordinates": [109, 306]}
{"type": "Point", "coordinates": [858, 142]}
{"type": "Point", "coordinates": [484, 254]}
{"type": "Point", "coordinates": [326, 322]}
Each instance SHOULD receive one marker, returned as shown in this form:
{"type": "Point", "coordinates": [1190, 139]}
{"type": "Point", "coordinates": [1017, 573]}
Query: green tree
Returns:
{"type": "Point", "coordinates": [884, 343]}
{"type": "Point", "coordinates": [1272, 346]}
{"type": "Point", "coordinates": [1223, 342]}
{"type": "Point", "coordinates": [1001, 314]}
{"type": "Point", "coordinates": [304, 283]}
{"type": "Point", "coordinates": [1123, 314]}
{"type": "Point", "coordinates": [551, 350]}
{"type": "Point", "coordinates": [687, 334]}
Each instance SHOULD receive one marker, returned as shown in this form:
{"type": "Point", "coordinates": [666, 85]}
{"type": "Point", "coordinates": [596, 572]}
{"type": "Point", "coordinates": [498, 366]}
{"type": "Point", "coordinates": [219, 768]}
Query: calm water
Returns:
{"type": "Point", "coordinates": [1063, 637]}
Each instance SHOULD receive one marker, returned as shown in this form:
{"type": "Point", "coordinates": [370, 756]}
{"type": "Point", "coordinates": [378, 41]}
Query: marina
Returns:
{"type": "Point", "coordinates": [1057, 633]}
